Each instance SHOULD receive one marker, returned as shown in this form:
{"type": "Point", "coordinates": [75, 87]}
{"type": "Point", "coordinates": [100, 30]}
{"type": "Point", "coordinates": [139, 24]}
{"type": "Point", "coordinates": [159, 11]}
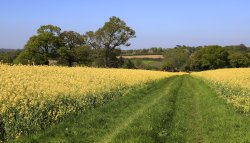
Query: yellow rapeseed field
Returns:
{"type": "Point", "coordinates": [34, 97]}
{"type": "Point", "coordinates": [232, 84]}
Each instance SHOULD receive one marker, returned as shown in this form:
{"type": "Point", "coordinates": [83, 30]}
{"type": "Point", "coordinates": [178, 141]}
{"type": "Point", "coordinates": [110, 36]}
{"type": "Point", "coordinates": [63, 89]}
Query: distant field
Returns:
{"type": "Point", "coordinates": [146, 63]}
{"type": "Point", "coordinates": [144, 57]}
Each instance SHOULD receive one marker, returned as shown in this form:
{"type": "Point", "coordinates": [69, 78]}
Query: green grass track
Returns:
{"type": "Point", "coordinates": [178, 109]}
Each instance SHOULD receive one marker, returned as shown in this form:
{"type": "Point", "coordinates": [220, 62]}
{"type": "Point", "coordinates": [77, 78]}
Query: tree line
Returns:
{"type": "Point", "coordinates": [185, 58]}
{"type": "Point", "coordinates": [94, 48]}
{"type": "Point", "coordinates": [101, 48]}
{"type": "Point", "coordinates": [149, 51]}
{"type": "Point", "coordinates": [180, 58]}
{"type": "Point", "coordinates": [8, 55]}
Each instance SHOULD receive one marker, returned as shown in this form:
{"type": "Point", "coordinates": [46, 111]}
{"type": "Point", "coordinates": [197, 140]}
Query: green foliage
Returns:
{"type": "Point", "coordinates": [150, 51]}
{"type": "Point", "coordinates": [101, 48]}
{"type": "Point", "coordinates": [82, 55]}
{"type": "Point", "coordinates": [237, 48]}
{"type": "Point", "coordinates": [120, 61]}
{"type": "Point", "coordinates": [51, 29]}
{"type": "Point", "coordinates": [239, 59]}
{"type": "Point", "coordinates": [105, 40]}
{"type": "Point", "coordinates": [177, 59]}
{"type": "Point", "coordinates": [183, 58]}
{"type": "Point", "coordinates": [209, 57]}
{"type": "Point", "coordinates": [26, 57]}
{"type": "Point", "coordinates": [138, 63]}
{"type": "Point", "coordinates": [239, 56]}
{"type": "Point", "coordinates": [9, 56]}
{"type": "Point", "coordinates": [72, 47]}
{"type": "Point", "coordinates": [129, 64]}
{"type": "Point", "coordinates": [41, 47]}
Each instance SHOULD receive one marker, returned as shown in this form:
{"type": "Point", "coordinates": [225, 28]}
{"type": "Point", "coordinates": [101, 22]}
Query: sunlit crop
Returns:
{"type": "Point", "coordinates": [232, 84]}
{"type": "Point", "coordinates": [34, 97]}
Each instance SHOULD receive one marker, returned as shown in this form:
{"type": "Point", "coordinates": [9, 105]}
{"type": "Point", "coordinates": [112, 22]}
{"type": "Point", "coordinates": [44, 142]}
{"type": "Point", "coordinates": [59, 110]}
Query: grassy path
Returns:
{"type": "Point", "coordinates": [202, 117]}
{"type": "Point", "coordinates": [177, 109]}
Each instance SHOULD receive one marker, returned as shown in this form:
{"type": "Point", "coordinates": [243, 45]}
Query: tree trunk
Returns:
{"type": "Point", "coordinates": [107, 57]}
{"type": "Point", "coordinates": [46, 61]}
{"type": "Point", "coordinates": [70, 61]}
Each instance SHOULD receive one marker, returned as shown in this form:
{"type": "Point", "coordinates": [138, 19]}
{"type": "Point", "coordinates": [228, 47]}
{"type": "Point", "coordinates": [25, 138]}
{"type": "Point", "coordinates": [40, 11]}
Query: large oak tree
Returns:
{"type": "Point", "coordinates": [107, 39]}
{"type": "Point", "coordinates": [41, 47]}
{"type": "Point", "coordinates": [72, 43]}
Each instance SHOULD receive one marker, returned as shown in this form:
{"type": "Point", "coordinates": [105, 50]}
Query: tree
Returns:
{"type": "Point", "coordinates": [71, 43]}
{"type": "Point", "coordinates": [82, 55]}
{"type": "Point", "coordinates": [41, 47]}
{"type": "Point", "coordinates": [31, 53]}
{"type": "Point", "coordinates": [139, 64]}
{"type": "Point", "coordinates": [236, 48]}
{"type": "Point", "coordinates": [9, 56]}
{"type": "Point", "coordinates": [177, 59]}
{"type": "Point", "coordinates": [209, 57]}
{"type": "Point", "coordinates": [239, 59]}
{"type": "Point", "coordinates": [121, 61]}
{"type": "Point", "coordinates": [105, 40]}
{"type": "Point", "coordinates": [129, 64]}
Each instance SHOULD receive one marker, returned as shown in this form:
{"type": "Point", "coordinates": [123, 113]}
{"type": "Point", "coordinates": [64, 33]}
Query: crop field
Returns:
{"type": "Point", "coordinates": [124, 72]}
{"type": "Point", "coordinates": [233, 85]}
{"type": "Point", "coordinates": [81, 104]}
{"type": "Point", "coordinates": [34, 97]}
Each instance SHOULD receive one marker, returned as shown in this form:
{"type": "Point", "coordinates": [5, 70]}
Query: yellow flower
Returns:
{"type": "Point", "coordinates": [232, 84]}
{"type": "Point", "coordinates": [43, 94]}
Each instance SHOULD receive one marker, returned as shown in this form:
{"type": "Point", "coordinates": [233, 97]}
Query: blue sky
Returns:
{"type": "Point", "coordinates": [163, 23]}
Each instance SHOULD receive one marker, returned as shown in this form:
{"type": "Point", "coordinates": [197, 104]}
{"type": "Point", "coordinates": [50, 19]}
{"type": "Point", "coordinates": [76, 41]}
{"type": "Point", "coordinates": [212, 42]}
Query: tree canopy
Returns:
{"type": "Point", "coordinates": [99, 48]}
{"type": "Point", "coordinates": [183, 58]}
{"type": "Point", "coordinates": [209, 57]}
{"type": "Point", "coordinates": [177, 59]}
{"type": "Point", "coordinates": [105, 40]}
{"type": "Point", "coordinates": [41, 47]}
{"type": "Point", "coordinates": [70, 42]}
